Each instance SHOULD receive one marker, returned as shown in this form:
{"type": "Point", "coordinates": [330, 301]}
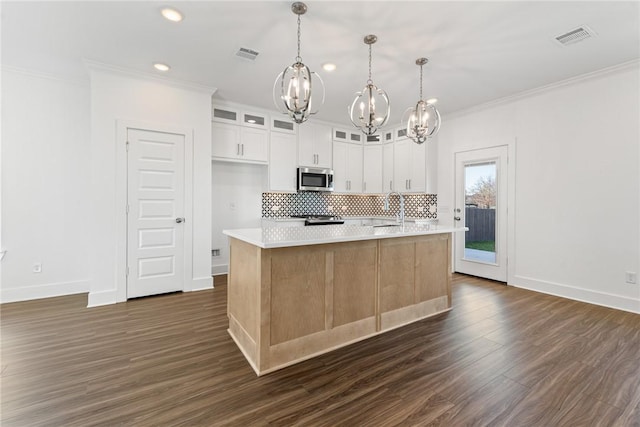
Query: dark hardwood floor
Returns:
{"type": "Point", "coordinates": [503, 356]}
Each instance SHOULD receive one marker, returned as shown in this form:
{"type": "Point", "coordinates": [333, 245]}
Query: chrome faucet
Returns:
{"type": "Point", "coordinates": [400, 216]}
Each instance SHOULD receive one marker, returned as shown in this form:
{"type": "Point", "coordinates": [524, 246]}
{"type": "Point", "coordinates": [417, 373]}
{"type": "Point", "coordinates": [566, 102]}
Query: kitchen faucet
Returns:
{"type": "Point", "coordinates": [400, 216]}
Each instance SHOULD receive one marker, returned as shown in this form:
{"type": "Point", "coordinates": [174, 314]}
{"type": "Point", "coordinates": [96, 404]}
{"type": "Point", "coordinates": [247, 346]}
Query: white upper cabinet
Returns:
{"type": "Point", "coordinates": [387, 167]}
{"type": "Point", "coordinates": [347, 167]}
{"type": "Point", "coordinates": [372, 169]}
{"type": "Point", "coordinates": [239, 136]}
{"type": "Point", "coordinates": [409, 166]}
{"type": "Point", "coordinates": [314, 145]}
{"type": "Point", "coordinates": [283, 161]}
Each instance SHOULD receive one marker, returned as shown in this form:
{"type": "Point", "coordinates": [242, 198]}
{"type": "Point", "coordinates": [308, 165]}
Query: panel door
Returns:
{"type": "Point", "coordinates": [155, 223]}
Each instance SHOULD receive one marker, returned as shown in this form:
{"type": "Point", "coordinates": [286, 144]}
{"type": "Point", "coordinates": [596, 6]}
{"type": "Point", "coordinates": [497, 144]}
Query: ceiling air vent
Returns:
{"type": "Point", "coordinates": [575, 36]}
{"type": "Point", "coordinates": [245, 53]}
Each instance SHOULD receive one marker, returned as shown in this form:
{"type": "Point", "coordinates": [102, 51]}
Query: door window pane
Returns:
{"type": "Point", "coordinates": [480, 212]}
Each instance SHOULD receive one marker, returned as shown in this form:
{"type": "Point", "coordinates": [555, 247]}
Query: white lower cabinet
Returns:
{"type": "Point", "coordinates": [347, 167]}
{"type": "Point", "coordinates": [372, 169]}
{"type": "Point", "coordinates": [231, 142]}
{"type": "Point", "coordinates": [283, 162]}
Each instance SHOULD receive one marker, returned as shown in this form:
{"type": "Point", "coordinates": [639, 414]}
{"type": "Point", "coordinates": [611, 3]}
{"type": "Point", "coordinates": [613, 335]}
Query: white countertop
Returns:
{"type": "Point", "coordinates": [281, 237]}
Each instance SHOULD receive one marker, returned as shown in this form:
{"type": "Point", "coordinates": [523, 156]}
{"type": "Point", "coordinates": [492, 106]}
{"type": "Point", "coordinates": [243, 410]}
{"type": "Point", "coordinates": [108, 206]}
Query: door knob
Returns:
{"type": "Point", "coordinates": [179, 220]}
{"type": "Point", "coordinates": [457, 218]}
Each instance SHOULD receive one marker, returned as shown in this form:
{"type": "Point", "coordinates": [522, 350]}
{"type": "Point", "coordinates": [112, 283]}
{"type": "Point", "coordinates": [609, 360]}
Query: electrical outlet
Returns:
{"type": "Point", "coordinates": [631, 277]}
{"type": "Point", "coordinates": [275, 208]}
{"type": "Point", "coordinates": [420, 209]}
{"type": "Point", "coordinates": [215, 252]}
{"type": "Point", "coordinates": [344, 208]}
{"type": "Point", "coordinates": [329, 208]}
{"type": "Point", "coordinates": [37, 267]}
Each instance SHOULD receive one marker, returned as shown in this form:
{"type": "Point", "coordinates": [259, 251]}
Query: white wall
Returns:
{"type": "Point", "coordinates": [237, 203]}
{"type": "Point", "coordinates": [577, 183]}
{"type": "Point", "coordinates": [117, 97]}
{"type": "Point", "coordinates": [45, 185]}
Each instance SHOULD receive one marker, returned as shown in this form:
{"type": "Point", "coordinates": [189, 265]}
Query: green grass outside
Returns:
{"type": "Point", "coordinates": [481, 246]}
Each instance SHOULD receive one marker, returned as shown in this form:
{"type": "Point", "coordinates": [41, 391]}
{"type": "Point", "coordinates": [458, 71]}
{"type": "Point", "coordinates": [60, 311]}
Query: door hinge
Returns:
{"type": "Point", "coordinates": [127, 209]}
{"type": "Point", "coordinates": [127, 145]}
{"type": "Point", "coordinates": [127, 271]}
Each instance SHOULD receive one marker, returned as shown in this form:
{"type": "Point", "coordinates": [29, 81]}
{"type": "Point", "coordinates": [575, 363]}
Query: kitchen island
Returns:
{"type": "Point", "coordinates": [297, 292]}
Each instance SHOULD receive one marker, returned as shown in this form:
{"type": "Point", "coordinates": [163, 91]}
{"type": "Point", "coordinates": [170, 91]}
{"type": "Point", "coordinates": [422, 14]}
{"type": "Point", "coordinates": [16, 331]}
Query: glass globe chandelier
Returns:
{"type": "Point", "coordinates": [423, 121]}
{"type": "Point", "coordinates": [366, 108]}
{"type": "Point", "coordinates": [292, 90]}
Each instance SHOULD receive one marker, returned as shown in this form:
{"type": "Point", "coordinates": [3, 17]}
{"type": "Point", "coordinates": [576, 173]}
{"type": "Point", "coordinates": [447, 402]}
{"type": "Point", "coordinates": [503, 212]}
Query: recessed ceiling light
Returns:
{"type": "Point", "coordinates": [329, 66]}
{"type": "Point", "coordinates": [431, 101]}
{"type": "Point", "coordinates": [171, 14]}
{"type": "Point", "coordinates": [161, 67]}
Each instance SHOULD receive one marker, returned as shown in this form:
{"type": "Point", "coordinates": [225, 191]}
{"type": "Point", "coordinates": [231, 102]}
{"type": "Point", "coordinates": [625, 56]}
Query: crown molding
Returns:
{"type": "Point", "coordinates": [45, 75]}
{"type": "Point", "coordinates": [127, 72]}
{"type": "Point", "coordinates": [625, 66]}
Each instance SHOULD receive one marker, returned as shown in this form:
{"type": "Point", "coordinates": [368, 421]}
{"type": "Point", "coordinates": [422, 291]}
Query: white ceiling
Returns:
{"type": "Point", "coordinates": [478, 51]}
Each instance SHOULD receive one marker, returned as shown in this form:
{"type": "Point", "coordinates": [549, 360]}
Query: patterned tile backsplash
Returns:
{"type": "Point", "coordinates": [284, 205]}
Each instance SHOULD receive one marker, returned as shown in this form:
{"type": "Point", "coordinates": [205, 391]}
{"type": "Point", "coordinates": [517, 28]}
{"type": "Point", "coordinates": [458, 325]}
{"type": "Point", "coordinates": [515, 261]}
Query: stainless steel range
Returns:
{"type": "Point", "coordinates": [320, 219]}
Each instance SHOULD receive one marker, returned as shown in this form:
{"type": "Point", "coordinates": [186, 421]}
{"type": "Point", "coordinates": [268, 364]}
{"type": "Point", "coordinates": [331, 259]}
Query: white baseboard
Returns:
{"type": "Point", "coordinates": [201, 283]}
{"type": "Point", "coordinates": [216, 270]}
{"type": "Point", "coordinates": [47, 290]}
{"type": "Point", "coordinates": [97, 299]}
{"type": "Point", "coordinates": [579, 294]}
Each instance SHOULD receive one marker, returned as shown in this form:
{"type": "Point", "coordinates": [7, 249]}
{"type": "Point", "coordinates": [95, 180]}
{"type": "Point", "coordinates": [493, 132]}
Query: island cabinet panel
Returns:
{"type": "Point", "coordinates": [414, 278]}
{"type": "Point", "coordinates": [289, 304]}
{"type": "Point", "coordinates": [298, 286]}
{"type": "Point", "coordinates": [397, 273]}
{"type": "Point", "coordinates": [354, 282]}
{"type": "Point", "coordinates": [432, 268]}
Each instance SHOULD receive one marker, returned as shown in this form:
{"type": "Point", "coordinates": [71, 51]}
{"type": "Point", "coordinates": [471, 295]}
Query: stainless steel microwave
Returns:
{"type": "Point", "coordinates": [315, 179]}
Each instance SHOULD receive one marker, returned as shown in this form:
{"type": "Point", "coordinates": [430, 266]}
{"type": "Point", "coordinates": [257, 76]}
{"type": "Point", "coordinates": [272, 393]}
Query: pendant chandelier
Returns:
{"type": "Point", "coordinates": [363, 112]}
{"type": "Point", "coordinates": [292, 90]}
{"type": "Point", "coordinates": [423, 121]}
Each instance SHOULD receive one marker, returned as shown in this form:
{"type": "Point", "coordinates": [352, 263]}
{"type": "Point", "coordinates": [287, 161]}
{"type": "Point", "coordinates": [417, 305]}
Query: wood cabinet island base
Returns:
{"type": "Point", "coordinates": [289, 304]}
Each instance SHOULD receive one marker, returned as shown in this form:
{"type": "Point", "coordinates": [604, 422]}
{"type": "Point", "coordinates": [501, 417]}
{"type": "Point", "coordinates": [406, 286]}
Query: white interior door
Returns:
{"type": "Point", "coordinates": [155, 220]}
{"type": "Point", "coordinates": [481, 205]}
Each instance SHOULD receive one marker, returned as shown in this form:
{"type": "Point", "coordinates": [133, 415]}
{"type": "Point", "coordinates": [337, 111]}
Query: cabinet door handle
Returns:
{"type": "Point", "coordinates": [237, 149]}
{"type": "Point", "coordinates": [390, 185]}
{"type": "Point", "coordinates": [242, 151]}
{"type": "Point", "coordinates": [409, 181]}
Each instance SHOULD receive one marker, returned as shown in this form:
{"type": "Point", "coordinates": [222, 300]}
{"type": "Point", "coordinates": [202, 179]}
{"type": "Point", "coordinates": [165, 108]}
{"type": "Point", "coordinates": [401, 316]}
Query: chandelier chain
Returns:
{"type": "Point", "coordinates": [369, 81]}
{"type": "Point", "coordinates": [298, 58]}
{"type": "Point", "coordinates": [421, 83]}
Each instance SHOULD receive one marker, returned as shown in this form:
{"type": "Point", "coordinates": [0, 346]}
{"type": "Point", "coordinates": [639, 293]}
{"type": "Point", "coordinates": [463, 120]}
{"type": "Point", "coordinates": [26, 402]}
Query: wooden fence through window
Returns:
{"type": "Point", "coordinates": [481, 223]}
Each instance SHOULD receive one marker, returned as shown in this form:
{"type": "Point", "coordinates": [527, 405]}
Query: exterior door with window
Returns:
{"type": "Point", "coordinates": [481, 205]}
